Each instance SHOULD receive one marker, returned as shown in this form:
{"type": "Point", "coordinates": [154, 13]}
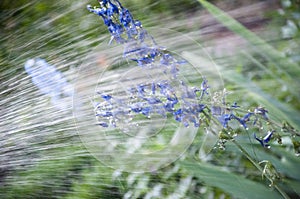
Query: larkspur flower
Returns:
{"type": "Point", "coordinates": [162, 96]}
{"type": "Point", "coordinates": [265, 140]}
{"type": "Point", "coordinates": [155, 97]}
{"type": "Point", "coordinates": [261, 111]}
{"type": "Point", "coordinates": [106, 97]}
{"type": "Point", "coordinates": [224, 119]}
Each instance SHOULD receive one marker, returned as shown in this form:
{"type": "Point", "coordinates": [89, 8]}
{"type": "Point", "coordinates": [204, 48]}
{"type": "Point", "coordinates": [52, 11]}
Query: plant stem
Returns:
{"type": "Point", "coordinates": [284, 195]}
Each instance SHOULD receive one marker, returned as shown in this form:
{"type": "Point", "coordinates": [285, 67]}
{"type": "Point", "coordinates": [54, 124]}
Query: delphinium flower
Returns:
{"type": "Point", "coordinates": [256, 119]}
{"type": "Point", "coordinates": [164, 97]}
{"type": "Point", "coordinates": [159, 97]}
{"type": "Point", "coordinates": [50, 82]}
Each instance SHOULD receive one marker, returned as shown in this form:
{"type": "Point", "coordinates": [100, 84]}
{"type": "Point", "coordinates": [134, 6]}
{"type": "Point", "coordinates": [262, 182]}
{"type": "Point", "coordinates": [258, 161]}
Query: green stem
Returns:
{"type": "Point", "coordinates": [284, 195]}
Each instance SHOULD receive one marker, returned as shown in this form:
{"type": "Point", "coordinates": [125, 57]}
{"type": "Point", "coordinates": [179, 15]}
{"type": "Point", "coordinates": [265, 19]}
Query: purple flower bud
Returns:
{"type": "Point", "coordinates": [234, 105]}
{"type": "Point", "coordinates": [137, 23]}
{"type": "Point", "coordinates": [178, 112]}
{"type": "Point", "coordinates": [106, 97]}
{"type": "Point", "coordinates": [172, 98]}
{"type": "Point", "coordinates": [153, 88]}
{"type": "Point", "coordinates": [103, 124]}
{"type": "Point", "coordinates": [194, 121]}
{"type": "Point", "coordinates": [141, 90]}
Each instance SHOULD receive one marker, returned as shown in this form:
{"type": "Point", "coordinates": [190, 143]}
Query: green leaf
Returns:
{"type": "Point", "coordinates": [237, 186]}
{"type": "Point", "coordinates": [284, 65]}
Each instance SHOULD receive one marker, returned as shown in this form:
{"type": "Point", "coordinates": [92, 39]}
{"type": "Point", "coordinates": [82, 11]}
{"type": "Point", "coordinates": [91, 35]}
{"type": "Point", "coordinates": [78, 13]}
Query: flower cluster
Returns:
{"type": "Point", "coordinates": [155, 98]}
{"type": "Point", "coordinates": [225, 115]}
{"type": "Point", "coordinates": [224, 118]}
{"type": "Point", "coordinates": [50, 82]}
{"type": "Point", "coordinates": [161, 97]}
{"type": "Point", "coordinates": [119, 21]}
{"type": "Point", "coordinates": [139, 46]}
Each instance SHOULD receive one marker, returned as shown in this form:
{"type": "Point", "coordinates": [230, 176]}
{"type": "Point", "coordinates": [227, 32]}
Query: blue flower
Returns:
{"type": "Point", "coordinates": [155, 97]}
{"type": "Point", "coordinates": [224, 119]}
{"type": "Point", "coordinates": [261, 111]}
{"type": "Point", "coordinates": [146, 111]}
{"type": "Point", "coordinates": [265, 140]}
{"type": "Point", "coordinates": [141, 90]}
{"type": "Point", "coordinates": [112, 9]}
{"type": "Point", "coordinates": [105, 114]}
{"type": "Point", "coordinates": [125, 17]}
{"type": "Point", "coordinates": [178, 115]}
{"type": "Point", "coordinates": [106, 97]}
{"type": "Point", "coordinates": [244, 119]}
{"type": "Point", "coordinates": [198, 108]}
{"type": "Point", "coordinates": [153, 88]}
{"type": "Point", "coordinates": [103, 124]}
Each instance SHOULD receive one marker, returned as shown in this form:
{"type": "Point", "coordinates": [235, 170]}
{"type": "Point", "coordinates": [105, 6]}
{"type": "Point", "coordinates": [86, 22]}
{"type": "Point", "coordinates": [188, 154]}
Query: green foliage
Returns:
{"type": "Point", "coordinates": [236, 185]}
{"type": "Point", "coordinates": [279, 71]}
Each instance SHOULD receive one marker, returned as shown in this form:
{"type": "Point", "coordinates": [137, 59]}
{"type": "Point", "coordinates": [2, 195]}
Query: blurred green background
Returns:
{"type": "Point", "coordinates": [42, 159]}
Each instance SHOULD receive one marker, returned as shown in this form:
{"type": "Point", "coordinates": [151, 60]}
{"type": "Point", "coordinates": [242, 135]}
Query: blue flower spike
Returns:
{"type": "Point", "coordinates": [161, 97]}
